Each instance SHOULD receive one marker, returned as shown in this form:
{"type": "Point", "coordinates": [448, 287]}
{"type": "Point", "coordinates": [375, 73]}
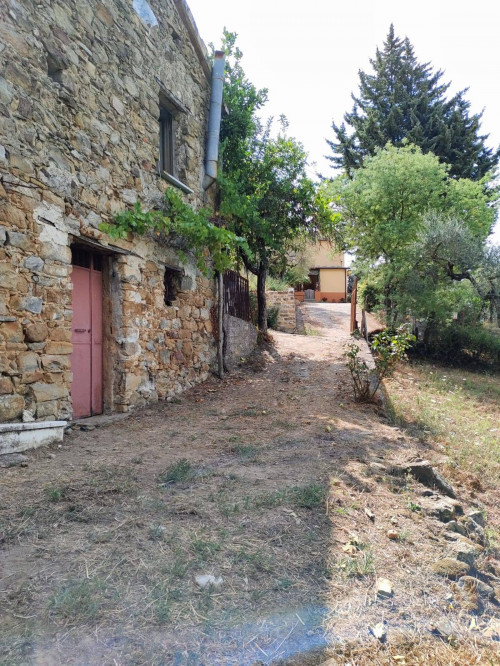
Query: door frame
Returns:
{"type": "Point", "coordinates": [109, 312]}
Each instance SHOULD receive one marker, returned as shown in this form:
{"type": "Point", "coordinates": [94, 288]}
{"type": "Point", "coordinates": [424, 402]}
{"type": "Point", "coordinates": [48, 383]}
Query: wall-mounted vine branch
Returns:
{"type": "Point", "coordinates": [177, 218]}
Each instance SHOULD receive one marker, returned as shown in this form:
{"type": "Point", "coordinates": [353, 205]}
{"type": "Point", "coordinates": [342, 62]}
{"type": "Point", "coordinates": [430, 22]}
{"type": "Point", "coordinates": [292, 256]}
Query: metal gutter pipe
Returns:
{"type": "Point", "coordinates": [214, 119]}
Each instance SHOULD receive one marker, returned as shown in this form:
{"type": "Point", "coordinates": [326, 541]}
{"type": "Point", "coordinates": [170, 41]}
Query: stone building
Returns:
{"type": "Point", "coordinates": [102, 103]}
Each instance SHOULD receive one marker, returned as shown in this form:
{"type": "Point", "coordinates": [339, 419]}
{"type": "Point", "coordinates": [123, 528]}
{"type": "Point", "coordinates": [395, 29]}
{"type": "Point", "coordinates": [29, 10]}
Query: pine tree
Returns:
{"type": "Point", "coordinates": [406, 100]}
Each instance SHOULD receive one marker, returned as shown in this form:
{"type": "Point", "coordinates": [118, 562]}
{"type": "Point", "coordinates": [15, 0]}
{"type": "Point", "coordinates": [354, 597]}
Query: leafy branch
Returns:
{"type": "Point", "coordinates": [198, 231]}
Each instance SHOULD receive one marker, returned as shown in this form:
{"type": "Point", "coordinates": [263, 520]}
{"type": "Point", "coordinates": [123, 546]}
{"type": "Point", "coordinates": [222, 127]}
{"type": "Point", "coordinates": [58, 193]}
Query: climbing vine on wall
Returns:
{"type": "Point", "coordinates": [176, 218]}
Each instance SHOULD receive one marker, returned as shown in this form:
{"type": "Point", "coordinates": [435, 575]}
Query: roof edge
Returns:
{"type": "Point", "coordinates": [194, 35]}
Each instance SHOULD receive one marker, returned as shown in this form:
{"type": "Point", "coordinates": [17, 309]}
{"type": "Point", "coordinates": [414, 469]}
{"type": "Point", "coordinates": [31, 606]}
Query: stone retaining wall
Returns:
{"type": "Point", "coordinates": [79, 141]}
{"type": "Point", "coordinates": [240, 338]}
{"type": "Point", "coordinates": [287, 319]}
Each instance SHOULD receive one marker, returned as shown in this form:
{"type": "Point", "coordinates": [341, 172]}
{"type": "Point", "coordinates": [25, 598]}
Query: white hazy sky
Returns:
{"type": "Point", "coordinates": [308, 54]}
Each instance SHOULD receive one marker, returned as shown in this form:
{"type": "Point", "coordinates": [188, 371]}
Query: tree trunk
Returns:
{"type": "Point", "coordinates": [261, 299]}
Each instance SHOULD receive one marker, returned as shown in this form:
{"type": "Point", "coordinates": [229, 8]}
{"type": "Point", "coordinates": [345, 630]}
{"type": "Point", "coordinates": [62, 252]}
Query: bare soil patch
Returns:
{"type": "Point", "coordinates": [262, 480]}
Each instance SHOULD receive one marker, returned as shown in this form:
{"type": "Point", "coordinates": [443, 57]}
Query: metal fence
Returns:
{"type": "Point", "coordinates": [236, 295]}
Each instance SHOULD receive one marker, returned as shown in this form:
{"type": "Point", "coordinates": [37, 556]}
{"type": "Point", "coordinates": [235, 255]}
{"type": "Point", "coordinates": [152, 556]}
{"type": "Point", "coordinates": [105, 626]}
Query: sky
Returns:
{"type": "Point", "coordinates": [308, 54]}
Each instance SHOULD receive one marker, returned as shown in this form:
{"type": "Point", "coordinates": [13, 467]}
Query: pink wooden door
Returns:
{"type": "Point", "coordinates": [86, 334]}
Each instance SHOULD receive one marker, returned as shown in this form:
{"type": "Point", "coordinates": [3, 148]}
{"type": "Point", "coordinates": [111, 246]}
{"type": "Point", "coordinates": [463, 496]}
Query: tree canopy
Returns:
{"type": "Point", "coordinates": [383, 204]}
{"type": "Point", "coordinates": [417, 232]}
{"type": "Point", "coordinates": [266, 194]}
{"type": "Point", "coordinates": [404, 99]}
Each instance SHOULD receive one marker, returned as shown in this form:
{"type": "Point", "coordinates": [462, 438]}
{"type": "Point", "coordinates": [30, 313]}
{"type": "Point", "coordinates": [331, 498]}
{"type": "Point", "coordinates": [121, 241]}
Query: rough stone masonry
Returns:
{"type": "Point", "coordinates": [80, 91]}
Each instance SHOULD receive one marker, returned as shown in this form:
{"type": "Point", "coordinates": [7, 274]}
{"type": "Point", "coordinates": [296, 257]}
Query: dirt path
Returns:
{"type": "Point", "coordinates": [261, 480]}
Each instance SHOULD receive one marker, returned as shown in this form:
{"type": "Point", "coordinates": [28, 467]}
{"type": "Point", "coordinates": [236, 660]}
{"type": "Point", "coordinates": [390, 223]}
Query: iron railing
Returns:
{"type": "Point", "coordinates": [236, 295]}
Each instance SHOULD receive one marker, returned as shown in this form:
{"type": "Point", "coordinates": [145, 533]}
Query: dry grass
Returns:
{"type": "Point", "coordinates": [459, 409]}
{"type": "Point", "coordinates": [262, 480]}
{"type": "Point", "coordinates": [414, 651]}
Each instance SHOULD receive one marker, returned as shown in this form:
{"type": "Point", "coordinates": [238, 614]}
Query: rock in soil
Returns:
{"type": "Point", "coordinates": [426, 474]}
{"type": "Point", "coordinates": [442, 508]}
{"type": "Point", "coordinates": [377, 468]}
{"type": "Point", "coordinates": [473, 529]}
{"type": "Point", "coordinates": [383, 588]}
{"type": "Point", "coordinates": [471, 584]}
{"type": "Point", "coordinates": [464, 550]}
{"type": "Point", "coordinates": [493, 630]}
{"type": "Point", "coordinates": [453, 526]}
{"type": "Point", "coordinates": [379, 631]}
{"type": "Point", "coordinates": [443, 629]}
{"type": "Point", "coordinates": [477, 516]}
{"type": "Point", "coordinates": [207, 579]}
{"type": "Point", "coordinates": [450, 568]}
{"type": "Point", "coordinates": [13, 460]}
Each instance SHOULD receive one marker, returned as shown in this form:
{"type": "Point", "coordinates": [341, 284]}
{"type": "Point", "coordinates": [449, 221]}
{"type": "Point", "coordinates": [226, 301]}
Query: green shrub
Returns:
{"type": "Point", "coordinates": [369, 296]}
{"type": "Point", "coordinates": [462, 344]}
{"type": "Point", "coordinates": [272, 283]}
{"type": "Point", "coordinates": [388, 349]}
{"type": "Point", "coordinates": [273, 314]}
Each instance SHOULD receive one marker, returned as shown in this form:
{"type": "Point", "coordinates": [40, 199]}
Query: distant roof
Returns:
{"type": "Point", "coordinates": [341, 267]}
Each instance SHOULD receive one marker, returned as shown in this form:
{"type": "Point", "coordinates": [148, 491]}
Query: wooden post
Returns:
{"type": "Point", "coordinates": [354, 300]}
{"type": "Point", "coordinates": [364, 327]}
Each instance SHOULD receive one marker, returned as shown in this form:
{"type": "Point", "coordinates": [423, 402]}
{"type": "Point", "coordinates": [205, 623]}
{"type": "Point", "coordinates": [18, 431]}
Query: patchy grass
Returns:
{"type": "Point", "coordinates": [459, 409]}
{"type": "Point", "coordinates": [307, 496]}
{"type": "Point", "coordinates": [178, 472]}
{"type": "Point", "coordinates": [246, 453]}
{"type": "Point", "coordinates": [80, 600]}
{"type": "Point", "coordinates": [56, 493]}
{"type": "Point", "coordinates": [310, 330]}
{"type": "Point", "coordinates": [359, 566]}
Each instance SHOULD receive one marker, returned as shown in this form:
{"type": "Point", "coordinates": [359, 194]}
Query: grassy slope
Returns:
{"type": "Point", "coordinates": [457, 411]}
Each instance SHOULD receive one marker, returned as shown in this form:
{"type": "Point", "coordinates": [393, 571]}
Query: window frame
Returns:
{"type": "Point", "coordinates": [167, 141]}
{"type": "Point", "coordinates": [169, 110]}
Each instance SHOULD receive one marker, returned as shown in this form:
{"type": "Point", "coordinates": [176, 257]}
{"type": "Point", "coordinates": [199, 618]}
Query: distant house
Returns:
{"type": "Point", "coordinates": [102, 104]}
{"type": "Point", "coordinates": [327, 275]}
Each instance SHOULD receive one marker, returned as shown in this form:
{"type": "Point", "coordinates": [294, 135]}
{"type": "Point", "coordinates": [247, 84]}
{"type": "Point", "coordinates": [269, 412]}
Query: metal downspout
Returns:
{"type": "Point", "coordinates": [214, 119]}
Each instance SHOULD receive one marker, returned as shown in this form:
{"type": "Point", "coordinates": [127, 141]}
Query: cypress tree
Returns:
{"type": "Point", "coordinates": [406, 100]}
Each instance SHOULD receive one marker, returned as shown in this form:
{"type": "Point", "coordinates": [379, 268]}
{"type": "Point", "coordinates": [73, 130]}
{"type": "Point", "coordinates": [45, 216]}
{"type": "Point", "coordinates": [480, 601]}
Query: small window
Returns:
{"type": "Point", "coordinates": [167, 141]}
{"type": "Point", "coordinates": [171, 283]}
{"type": "Point", "coordinates": [55, 68]}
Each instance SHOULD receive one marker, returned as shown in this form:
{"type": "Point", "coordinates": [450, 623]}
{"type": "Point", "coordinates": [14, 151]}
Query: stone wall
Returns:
{"type": "Point", "coordinates": [79, 141]}
{"type": "Point", "coordinates": [240, 338]}
{"type": "Point", "coordinates": [285, 300]}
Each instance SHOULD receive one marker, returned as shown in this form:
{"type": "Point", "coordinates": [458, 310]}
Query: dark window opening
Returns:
{"type": "Point", "coordinates": [54, 69]}
{"type": "Point", "coordinates": [167, 141]}
{"type": "Point", "coordinates": [80, 257]}
{"type": "Point", "coordinates": [97, 262]}
{"type": "Point", "coordinates": [85, 259]}
{"type": "Point", "coordinates": [171, 283]}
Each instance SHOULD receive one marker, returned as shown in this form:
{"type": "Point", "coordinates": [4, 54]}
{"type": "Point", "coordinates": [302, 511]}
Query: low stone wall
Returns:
{"type": "Point", "coordinates": [240, 338]}
{"type": "Point", "coordinates": [323, 296]}
{"type": "Point", "coordinates": [285, 300]}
